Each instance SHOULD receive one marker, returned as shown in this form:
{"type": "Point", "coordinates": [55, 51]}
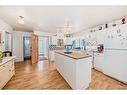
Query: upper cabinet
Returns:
{"type": "Point", "coordinates": [100, 35]}
{"type": "Point", "coordinates": [116, 36]}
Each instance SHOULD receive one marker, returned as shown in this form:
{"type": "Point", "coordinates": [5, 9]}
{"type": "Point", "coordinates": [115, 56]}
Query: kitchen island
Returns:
{"type": "Point", "coordinates": [75, 68]}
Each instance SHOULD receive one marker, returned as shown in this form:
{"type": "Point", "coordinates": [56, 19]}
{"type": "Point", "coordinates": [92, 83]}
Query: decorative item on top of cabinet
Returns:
{"type": "Point", "coordinates": [118, 31]}
{"type": "Point", "coordinates": [91, 30]}
{"type": "Point", "coordinates": [119, 35]}
{"type": "Point", "coordinates": [100, 27]}
{"type": "Point", "coordinates": [114, 25]}
{"type": "Point", "coordinates": [106, 25]}
{"type": "Point", "coordinates": [123, 20]}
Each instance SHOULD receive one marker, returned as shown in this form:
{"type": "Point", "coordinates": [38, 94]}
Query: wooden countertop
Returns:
{"type": "Point", "coordinates": [75, 54]}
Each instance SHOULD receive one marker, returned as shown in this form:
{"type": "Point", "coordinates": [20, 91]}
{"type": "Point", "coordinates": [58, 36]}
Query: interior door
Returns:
{"type": "Point", "coordinates": [43, 47]}
{"type": "Point", "coordinates": [27, 47]}
{"type": "Point", "coordinates": [34, 49]}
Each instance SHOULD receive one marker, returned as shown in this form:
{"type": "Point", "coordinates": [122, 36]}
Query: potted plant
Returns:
{"type": "Point", "coordinates": [1, 56]}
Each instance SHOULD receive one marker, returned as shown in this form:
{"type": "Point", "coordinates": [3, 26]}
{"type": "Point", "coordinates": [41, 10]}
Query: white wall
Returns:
{"type": "Point", "coordinates": [18, 44]}
{"type": "Point", "coordinates": [41, 33]}
{"type": "Point", "coordinates": [4, 27]}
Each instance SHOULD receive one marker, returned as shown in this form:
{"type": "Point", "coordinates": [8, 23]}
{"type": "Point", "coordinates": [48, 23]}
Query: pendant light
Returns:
{"type": "Point", "coordinates": [20, 20]}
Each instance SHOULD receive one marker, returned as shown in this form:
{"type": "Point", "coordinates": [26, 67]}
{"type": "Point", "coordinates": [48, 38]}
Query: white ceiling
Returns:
{"type": "Point", "coordinates": [48, 18]}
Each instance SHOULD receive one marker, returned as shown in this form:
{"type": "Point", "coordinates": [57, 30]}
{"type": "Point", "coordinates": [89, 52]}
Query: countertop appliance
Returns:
{"type": "Point", "coordinates": [115, 53]}
{"type": "Point", "coordinates": [100, 48]}
{"type": "Point", "coordinates": [68, 49]}
{"type": "Point", "coordinates": [7, 53]}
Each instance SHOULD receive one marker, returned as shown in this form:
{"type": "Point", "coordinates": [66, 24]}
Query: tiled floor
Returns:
{"type": "Point", "coordinates": [45, 76]}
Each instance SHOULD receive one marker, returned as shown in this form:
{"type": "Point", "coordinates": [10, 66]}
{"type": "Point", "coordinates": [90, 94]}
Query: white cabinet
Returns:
{"type": "Point", "coordinates": [6, 72]}
{"type": "Point", "coordinates": [100, 35]}
{"type": "Point", "coordinates": [116, 37]}
{"type": "Point", "coordinates": [52, 55]}
{"type": "Point", "coordinates": [77, 72]}
{"type": "Point", "coordinates": [11, 68]}
{"type": "Point", "coordinates": [54, 40]}
{"type": "Point", "coordinates": [98, 61]}
{"type": "Point", "coordinates": [4, 75]}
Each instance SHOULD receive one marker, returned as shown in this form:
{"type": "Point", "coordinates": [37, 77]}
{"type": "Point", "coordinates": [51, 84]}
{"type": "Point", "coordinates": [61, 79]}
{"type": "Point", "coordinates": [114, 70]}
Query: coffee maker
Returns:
{"type": "Point", "coordinates": [100, 48]}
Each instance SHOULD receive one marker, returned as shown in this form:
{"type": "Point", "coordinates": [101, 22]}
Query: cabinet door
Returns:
{"type": "Point", "coordinates": [122, 34]}
{"type": "Point", "coordinates": [112, 39]}
{"type": "Point", "coordinates": [98, 61]}
{"type": "Point", "coordinates": [100, 36]}
{"type": "Point", "coordinates": [11, 68]}
{"type": "Point", "coordinates": [52, 55]}
{"type": "Point", "coordinates": [4, 76]}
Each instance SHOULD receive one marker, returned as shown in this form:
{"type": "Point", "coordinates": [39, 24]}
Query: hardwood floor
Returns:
{"type": "Point", "coordinates": [103, 82]}
{"type": "Point", "coordinates": [45, 76]}
{"type": "Point", "coordinates": [40, 76]}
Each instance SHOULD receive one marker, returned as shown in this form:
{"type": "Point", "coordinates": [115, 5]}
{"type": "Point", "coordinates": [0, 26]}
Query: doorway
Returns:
{"type": "Point", "coordinates": [43, 43]}
{"type": "Point", "coordinates": [27, 47]}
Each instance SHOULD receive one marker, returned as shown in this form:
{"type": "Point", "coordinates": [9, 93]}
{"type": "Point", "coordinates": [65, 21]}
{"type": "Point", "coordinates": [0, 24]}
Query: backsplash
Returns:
{"type": "Point", "coordinates": [56, 47]}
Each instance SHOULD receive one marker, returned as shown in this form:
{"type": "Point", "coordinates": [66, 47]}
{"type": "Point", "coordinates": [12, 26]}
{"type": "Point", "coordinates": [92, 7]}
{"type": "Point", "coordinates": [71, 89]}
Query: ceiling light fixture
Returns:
{"type": "Point", "coordinates": [68, 29]}
{"type": "Point", "coordinates": [65, 30]}
{"type": "Point", "coordinates": [20, 20]}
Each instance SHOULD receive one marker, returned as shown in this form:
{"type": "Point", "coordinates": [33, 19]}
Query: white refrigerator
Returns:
{"type": "Point", "coordinates": [115, 53]}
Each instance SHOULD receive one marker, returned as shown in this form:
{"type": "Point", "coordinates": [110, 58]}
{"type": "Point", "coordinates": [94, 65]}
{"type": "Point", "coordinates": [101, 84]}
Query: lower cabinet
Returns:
{"type": "Point", "coordinates": [52, 55]}
{"type": "Point", "coordinates": [11, 68]}
{"type": "Point", "coordinates": [98, 61]}
{"type": "Point", "coordinates": [6, 72]}
{"type": "Point", "coordinates": [4, 75]}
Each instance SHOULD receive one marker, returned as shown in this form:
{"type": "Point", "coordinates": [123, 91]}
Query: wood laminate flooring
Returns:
{"type": "Point", "coordinates": [44, 76]}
